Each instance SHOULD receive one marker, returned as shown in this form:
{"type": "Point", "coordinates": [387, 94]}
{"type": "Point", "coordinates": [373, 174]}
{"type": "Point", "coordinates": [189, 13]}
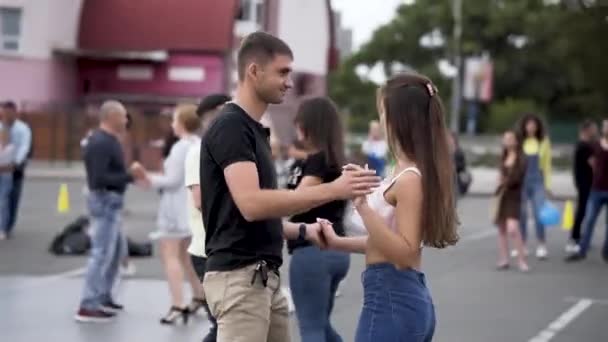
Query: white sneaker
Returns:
{"type": "Point", "coordinates": [572, 247]}
{"type": "Point", "coordinates": [541, 252]}
{"type": "Point", "coordinates": [338, 292]}
{"type": "Point", "coordinates": [127, 271]}
{"type": "Point", "coordinates": [515, 253]}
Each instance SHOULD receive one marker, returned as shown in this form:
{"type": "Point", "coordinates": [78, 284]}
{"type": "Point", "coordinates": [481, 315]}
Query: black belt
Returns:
{"type": "Point", "coordinates": [261, 270]}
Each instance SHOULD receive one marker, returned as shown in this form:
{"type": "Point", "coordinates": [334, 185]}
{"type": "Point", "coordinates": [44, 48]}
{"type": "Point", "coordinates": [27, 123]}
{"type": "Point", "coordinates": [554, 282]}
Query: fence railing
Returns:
{"type": "Point", "coordinates": [57, 132]}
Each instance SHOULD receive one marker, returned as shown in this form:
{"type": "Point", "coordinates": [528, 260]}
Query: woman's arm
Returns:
{"type": "Point", "coordinates": [356, 244]}
{"type": "Point", "coordinates": [291, 231]}
{"type": "Point", "coordinates": [517, 173]}
{"type": "Point", "coordinates": [173, 177]}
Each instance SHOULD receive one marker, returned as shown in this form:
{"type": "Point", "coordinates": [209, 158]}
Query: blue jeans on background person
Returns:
{"type": "Point", "coordinates": [533, 191]}
{"type": "Point", "coordinates": [6, 185]}
{"type": "Point", "coordinates": [397, 306]}
{"type": "Point", "coordinates": [105, 209]}
{"type": "Point", "coordinates": [376, 163]}
{"type": "Point", "coordinates": [597, 199]}
{"type": "Point", "coordinates": [15, 198]}
{"type": "Point", "coordinates": [314, 276]}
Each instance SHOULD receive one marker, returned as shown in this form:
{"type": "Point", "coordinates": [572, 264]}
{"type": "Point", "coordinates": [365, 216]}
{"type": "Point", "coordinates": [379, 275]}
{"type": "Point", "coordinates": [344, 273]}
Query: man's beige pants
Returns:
{"type": "Point", "coordinates": [246, 312]}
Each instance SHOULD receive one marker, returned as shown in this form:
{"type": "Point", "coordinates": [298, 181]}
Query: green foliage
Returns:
{"type": "Point", "coordinates": [355, 95]}
{"type": "Point", "coordinates": [504, 114]}
{"type": "Point", "coordinates": [561, 68]}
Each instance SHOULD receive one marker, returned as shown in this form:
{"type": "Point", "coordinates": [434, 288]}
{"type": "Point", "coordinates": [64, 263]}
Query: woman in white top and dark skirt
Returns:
{"type": "Point", "coordinates": [172, 221]}
{"type": "Point", "coordinates": [412, 208]}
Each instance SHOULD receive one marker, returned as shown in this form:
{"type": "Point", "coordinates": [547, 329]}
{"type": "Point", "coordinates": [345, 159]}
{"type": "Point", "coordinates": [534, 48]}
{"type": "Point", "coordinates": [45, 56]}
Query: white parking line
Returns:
{"type": "Point", "coordinates": [68, 274]}
{"type": "Point", "coordinates": [562, 321]}
{"type": "Point", "coordinates": [596, 301]}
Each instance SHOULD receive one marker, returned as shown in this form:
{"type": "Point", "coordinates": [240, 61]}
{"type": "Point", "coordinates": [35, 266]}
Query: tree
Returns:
{"type": "Point", "coordinates": [550, 55]}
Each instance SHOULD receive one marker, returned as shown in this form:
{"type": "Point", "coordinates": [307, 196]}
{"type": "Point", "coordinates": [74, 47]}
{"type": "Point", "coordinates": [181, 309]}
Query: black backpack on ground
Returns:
{"type": "Point", "coordinates": [73, 240]}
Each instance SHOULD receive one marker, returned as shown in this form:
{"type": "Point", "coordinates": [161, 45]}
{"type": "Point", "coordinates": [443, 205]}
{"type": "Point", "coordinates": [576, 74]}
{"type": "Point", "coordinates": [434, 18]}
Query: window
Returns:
{"type": "Point", "coordinates": [244, 11]}
{"type": "Point", "coordinates": [10, 28]}
{"type": "Point", "coordinates": [251, 10]}
{"type": "Point", "coordinates": [186, 74]}
{"type": "Point", "coordinates": [259, 13]}
{"type": "Point", "coordinates": [135, 72]}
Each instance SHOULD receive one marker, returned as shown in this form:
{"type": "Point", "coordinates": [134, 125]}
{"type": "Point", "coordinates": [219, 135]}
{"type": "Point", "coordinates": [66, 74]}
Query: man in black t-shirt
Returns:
{"type": "Point", "coordinates": [583, 175]}
{"type": "Point", "coordinates": [242, 208]}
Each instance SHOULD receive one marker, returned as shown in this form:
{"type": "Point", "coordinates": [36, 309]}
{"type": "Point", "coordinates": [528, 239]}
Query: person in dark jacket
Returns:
{"type": "Point", "coordinates": [583, 175]}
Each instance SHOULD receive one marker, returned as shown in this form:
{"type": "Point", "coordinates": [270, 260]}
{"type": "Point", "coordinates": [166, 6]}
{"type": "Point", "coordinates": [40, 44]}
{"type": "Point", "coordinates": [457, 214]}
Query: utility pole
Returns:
{"type": "Point", "coordinates": [457, 61]}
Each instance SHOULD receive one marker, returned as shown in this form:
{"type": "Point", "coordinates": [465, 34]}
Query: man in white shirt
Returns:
{"type": "Point", "coordinates": [207, 110]}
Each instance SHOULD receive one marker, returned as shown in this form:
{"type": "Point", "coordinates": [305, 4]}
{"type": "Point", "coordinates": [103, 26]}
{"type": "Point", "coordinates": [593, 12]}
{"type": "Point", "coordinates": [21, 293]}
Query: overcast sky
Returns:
{"type": "Point", "coordinates": [364, 16]}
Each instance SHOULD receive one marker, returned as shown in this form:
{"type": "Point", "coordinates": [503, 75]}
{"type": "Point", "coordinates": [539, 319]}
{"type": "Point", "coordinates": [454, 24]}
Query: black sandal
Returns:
{"type": "Point", "coordinates": [174, 314]}
{"type": "Point", "coordinates": [503, 267]}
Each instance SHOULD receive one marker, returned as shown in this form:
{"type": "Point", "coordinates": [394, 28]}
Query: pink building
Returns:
{"type": "Point", "coordinates": [30, 30]}
{"type": "Point", "coordinates": [154, 53]}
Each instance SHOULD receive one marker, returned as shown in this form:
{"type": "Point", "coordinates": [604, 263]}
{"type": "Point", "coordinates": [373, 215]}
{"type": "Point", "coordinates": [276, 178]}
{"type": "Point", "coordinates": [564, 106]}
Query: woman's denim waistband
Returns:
{"type": "Point", "coordinates": [395, 273]}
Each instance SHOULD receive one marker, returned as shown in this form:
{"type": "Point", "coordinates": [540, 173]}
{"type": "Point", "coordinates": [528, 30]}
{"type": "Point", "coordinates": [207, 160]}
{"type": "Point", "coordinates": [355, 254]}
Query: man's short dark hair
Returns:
{"type": "Point", "coordinates": [10, 105]}
{"type": "Point", "coordinates": [211, 102]}
{"type": "Point", "coordinates": [260, 47]}
{"type": "Point", "coordinates": [585, 125]}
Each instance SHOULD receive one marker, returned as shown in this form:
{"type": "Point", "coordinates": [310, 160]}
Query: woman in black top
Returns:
{"type": "Point", "coordinates": [314, 273]}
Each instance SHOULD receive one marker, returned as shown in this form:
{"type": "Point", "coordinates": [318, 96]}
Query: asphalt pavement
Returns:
{"type": "Point", "coordinates": [556, 301]}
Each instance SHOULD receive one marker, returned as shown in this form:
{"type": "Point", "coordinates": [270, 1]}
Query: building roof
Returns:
{"type": "Point", "coordinates": [135, 25]}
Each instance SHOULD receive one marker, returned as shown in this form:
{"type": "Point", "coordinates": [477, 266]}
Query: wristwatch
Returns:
{"type": "Point", "coordinates": [302, 232]}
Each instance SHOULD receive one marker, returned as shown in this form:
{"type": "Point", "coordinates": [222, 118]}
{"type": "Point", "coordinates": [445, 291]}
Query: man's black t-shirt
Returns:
{"type": "Point", "coordinates": [231, 241]}
{"type": "Point", "coordinates": [583, 174]}
{"type": "Point", "coordinates": [316, 165]}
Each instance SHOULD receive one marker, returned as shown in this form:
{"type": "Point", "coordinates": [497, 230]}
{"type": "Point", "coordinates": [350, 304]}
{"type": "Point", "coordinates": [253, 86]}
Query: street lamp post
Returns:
{"type": "Point", "coordinates": [456, 81]}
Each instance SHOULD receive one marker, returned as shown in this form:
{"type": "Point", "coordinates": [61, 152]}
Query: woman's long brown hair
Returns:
{"type": "Point", "coordinates": [319, 120]}
{"type": "Point", "coordinates": [415, 127]}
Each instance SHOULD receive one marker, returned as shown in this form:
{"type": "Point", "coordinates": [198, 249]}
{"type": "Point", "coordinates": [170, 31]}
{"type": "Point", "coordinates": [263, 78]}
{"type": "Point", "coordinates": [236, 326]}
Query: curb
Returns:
{"type": "Point", "coordinates": [558, 198]}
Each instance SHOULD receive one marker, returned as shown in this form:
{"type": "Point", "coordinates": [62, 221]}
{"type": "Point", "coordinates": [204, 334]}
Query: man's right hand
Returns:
{"type": "Point", "coordinates": [354, 183]}
{"type": "Point", "coordinates": [138, 171]}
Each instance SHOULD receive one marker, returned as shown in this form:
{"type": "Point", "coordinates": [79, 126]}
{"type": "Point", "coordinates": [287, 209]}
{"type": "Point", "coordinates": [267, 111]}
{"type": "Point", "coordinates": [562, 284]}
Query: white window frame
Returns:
{"type": "Point", "coordinates": [11, 38]}
{"type": "Point", "coordinates": [135, 72]}
{"type": "Point", "coordinates": [186, 73]}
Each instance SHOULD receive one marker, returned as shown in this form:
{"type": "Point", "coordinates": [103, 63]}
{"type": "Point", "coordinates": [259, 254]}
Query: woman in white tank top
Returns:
{"type": "Point", "coordinates": [413, 207]}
